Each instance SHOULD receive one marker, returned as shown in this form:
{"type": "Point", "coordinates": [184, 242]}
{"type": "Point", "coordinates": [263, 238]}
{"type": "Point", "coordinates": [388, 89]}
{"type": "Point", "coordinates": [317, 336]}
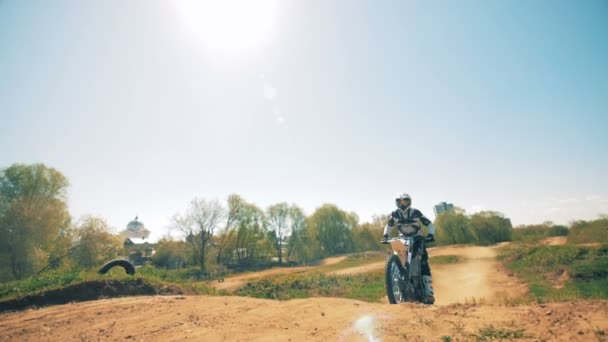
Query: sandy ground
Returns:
{"type": "Point", "coordinates": [477, 277]}
{"type": "Point", "coordinates": [204, 318]}
{"type": "Point", "coordinates": [201, 318]}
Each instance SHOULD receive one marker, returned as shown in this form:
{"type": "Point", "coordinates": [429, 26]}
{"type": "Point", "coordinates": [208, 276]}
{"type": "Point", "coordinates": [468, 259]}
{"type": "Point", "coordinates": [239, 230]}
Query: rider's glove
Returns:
{"type": "Point", "coordinates": [430, 238]}
{"type": "Point", "coordinates": [385, 238]}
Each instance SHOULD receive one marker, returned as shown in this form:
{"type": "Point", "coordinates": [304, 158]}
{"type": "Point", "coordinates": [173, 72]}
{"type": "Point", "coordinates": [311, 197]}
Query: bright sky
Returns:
{"type": "Point", "coordinates": [144, 105]}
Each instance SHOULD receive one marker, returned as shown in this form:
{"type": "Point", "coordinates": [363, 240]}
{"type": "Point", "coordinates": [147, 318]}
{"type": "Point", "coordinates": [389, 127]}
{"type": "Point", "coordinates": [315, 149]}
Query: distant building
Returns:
{"type": "Point", "coordinates": [443, 207]}
{"type": "Point", "coordinates": [136, 244]}
{"type": "Point", "coordinates": [135, 229]}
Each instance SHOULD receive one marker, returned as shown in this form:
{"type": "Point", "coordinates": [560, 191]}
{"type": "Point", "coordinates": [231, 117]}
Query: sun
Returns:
{"type": "Point", "coordinates": [229, 26]}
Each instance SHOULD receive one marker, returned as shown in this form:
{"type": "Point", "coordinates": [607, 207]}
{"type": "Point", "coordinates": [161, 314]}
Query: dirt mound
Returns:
{"type": "Point", "coordinates": [201, 318]}
{"type": "Point", "coordinates": [90, 290]}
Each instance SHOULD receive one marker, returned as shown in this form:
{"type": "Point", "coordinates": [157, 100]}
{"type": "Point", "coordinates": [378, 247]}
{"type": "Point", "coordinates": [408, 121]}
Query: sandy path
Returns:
{"type": "Point", "coordinates": [202, 318]}
{"type": "Point", "coordinates": [477, 277]}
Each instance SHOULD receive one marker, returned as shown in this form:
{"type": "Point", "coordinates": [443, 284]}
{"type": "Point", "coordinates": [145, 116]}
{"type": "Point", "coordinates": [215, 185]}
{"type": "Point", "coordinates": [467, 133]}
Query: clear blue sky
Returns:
{"type": "Point", "coordinates": [497, 105]}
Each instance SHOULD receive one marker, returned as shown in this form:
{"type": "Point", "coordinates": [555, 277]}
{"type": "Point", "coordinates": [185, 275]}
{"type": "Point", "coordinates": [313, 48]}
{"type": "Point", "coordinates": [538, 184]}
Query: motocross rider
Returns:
{"type": "Point", "coordinates": [409, 222]}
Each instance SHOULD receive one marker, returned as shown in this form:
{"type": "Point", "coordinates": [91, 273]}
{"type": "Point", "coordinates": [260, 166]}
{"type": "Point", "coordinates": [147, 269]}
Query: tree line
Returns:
{"type": "Point", "coordinates": [37, 232]}
{"type": "Point", "coordinates": [483, 228]}
{"type": "Point", "coordinates": [239, 234]}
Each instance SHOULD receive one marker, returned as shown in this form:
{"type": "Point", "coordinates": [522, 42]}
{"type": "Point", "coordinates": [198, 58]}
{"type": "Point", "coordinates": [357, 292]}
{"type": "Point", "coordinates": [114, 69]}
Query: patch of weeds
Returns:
{"type": "Point", "coordinates": [492, 333]}
{"type": "Point", "coordinates": [458, 327]}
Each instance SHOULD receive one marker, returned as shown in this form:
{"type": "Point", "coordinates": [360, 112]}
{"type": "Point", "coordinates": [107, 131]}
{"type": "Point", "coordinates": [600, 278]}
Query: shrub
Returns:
{"type": "Point", "coordinates": [533, 233]}
{"type": "Point", "coordinates": [589, 231]}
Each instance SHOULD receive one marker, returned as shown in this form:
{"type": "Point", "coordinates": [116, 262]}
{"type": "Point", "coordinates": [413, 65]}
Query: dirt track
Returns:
{"type": "Point", "coordinates": [478, 276]}
{"type": "Point", "coordinates": [199, 318]}
{"type": "Point", "coordinates": [233, 283]}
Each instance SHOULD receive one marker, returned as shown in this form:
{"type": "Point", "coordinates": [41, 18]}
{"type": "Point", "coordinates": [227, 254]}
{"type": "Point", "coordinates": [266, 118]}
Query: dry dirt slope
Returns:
{"type": "Point", "coordinates": [201, 318]}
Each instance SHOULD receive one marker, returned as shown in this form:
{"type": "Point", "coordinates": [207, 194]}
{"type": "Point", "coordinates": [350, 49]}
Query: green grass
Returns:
{"type": "Point", "coordinates": [366, 286]}
{"type": "Point", "coordinates": [445, 259]}
{"type": "Point", "coordinates": [560, 273]}
{"type": "Point", "coordinates": [47, 281]}
{"type": "Point", "coordinates": [58, 279]}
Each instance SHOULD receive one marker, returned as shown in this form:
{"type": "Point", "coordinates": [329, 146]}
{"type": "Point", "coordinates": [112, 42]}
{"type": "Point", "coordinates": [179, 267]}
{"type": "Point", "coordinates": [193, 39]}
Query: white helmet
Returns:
{"type": "Point", "coordinates": [401, 197]}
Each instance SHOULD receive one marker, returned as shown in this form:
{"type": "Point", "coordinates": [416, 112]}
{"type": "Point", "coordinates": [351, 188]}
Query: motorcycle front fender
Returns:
{"type": "Point", "coordinates": [400, 250]}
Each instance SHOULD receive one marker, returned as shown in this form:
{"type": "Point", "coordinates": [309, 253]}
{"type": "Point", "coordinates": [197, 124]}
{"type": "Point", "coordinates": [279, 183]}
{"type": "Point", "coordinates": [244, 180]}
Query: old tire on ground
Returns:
{"type": "Point", "coordinates": [126, 264]}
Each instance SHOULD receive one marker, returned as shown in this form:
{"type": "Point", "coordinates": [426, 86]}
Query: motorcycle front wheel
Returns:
{"type": "Point", "coordinates": [394, 280]}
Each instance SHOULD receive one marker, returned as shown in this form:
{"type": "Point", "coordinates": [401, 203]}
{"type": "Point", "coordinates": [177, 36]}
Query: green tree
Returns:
{"type": "Point", "coordinates": [454, 227]}
{"type": "Point", "coordinates": [170, 254]}
{"type": "Point", "coordinates": [332, 229]}
{"type": "Point", "coordinates": [491, 227]}
{"type": "Point", "coordinates": [33, 218]}
{"type": "Point", "coordinates": [95, 244]}
{"type": "Point", "coordinates": [299, 245]}
{"type": "Point", "coordinates": [251, 242]}
{"type": "Point", "coordinates": [366, 237]}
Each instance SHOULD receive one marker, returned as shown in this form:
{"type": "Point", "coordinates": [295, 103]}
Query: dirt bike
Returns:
{"type": "Point", "coordinates": [402, 270]}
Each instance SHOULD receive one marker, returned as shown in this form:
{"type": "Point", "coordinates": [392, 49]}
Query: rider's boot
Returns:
{"type": "Point", "coordinates": [428, 289]}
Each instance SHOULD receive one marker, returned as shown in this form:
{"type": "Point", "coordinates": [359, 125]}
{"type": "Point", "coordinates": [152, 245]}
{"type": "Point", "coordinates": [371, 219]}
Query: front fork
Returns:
{"type": "Point", "coordinates": [415, 255]}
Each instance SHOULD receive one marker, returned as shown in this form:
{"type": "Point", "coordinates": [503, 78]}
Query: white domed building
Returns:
{"type": "Point", "coordinates": [137, 248]}
{"type": "Point", "coordinates": [136, 230]}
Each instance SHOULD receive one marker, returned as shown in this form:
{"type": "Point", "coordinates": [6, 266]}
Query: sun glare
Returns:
{"type": "Point", "coordinates": [229, 26]}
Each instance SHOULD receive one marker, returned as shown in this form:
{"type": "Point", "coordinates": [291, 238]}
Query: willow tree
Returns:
{"type": "Point", "coordinates": [332, 228]}
{"type": "Point", "coordinates": [34, 218]}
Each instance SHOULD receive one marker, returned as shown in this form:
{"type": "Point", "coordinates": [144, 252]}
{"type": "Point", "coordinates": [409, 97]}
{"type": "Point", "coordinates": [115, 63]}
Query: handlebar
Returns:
{"type": "Point", "coordinates": [387, 241]}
